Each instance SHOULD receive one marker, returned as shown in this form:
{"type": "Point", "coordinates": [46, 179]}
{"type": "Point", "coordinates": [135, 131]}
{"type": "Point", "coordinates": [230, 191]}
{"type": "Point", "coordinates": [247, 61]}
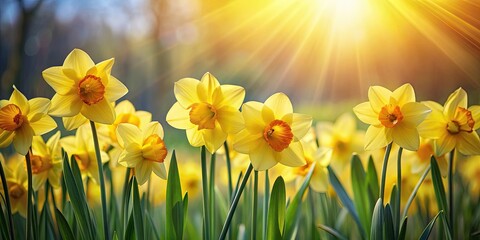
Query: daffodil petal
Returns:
{"type": "Point", "coordinates": [345, 126]}
{"type": "Point", "coordinates": [206, 87]}
{"type": "Point", "coordinates": [131, 156]}
{"type": "Point", "coordinates": [23, 139]}
{"type": "Point", "coordinates": [475, 110]}
{"type": "Point", "coordinates": [6, 138]}
{"type": "Point", "coordinates": [406, 136]}
{"type": "Point", "coordinates": [128, 134]}
{"type": "Point", "coordinates": [301, 123]}
{"type": "Point", "coordinates": [245, 142]}
{"type": "Point", "coordinates": [378, 97]}
{"type": "Point", "coordinates": [280, 104]}
{"type": "Point", "coordinates": [65, 105]}
{"type": "Point", "coordinates": [366, 114]}
{"type": "Point", "coordinates": [195, 137]}
{"type": "Point", "coordinates": [153, 128]}
{"type": "Point", "coordinates": [115, 89]}
{"type": "Point", "coordinates": [469, 143]}
{"type": "Point", "coordinates": [101, 112]}
{"type": "Point", "coordinates": [230, 119]}
{"type": "Point", "coordinates": [43, 125]}
{"type": "Point", "coordinates": [124, 106]}
{"type": "Point", "coordinates": [71, 123]}
{"type": "Point", "coordinates": [179, 117]}
{"type": "Point", "coordinates": [324, 131]}
{"type": "Point", "coordinates": [185, 91]}
{"type": "Point", "coordinates": [145, 117]}
{"type": "Point", "coordinates": [159, 170]}
{"type": "Point", "coordinates": [456, 99]}
{"type": "Point", "coordinates": [53, 141]}
{"type": "Point", "coordinates": [404, 94]}
{"type": "Point", "coordinates": [104, 69]}
{"type": "Point", "coordinates": [38, 108]}
{"type": "Point", "coordinates": [375, 138]}
{"type": "Point", "coordinates": [319, 181]}
{"type": "Point", "coordinates": [214, 138]}
{"type": "Point", "coordinates": [230, 95]}
{"type": "Point", "coordinates": [78, 61]}
{"type": "Point", "coordinates": [414, 113]}
{"type": "Point", "coordinates": [20, 100]}
{"type": "Point", "coordinates": [444, 144]}
{"type": "Point", "coordinates": [68, 143]}
{"type": "Point", "coordinates": [143, 171]}
{"type": "Point", "coordinates": [292, 156]}
{"type": "Point", "coordinates": [434, 124]}
{"type": "Point", "coordinates": [60, 83]}
{"type": "Point", "coordinates": [252, 115]}
{"type": "Point", "coordinates": [262, 158]}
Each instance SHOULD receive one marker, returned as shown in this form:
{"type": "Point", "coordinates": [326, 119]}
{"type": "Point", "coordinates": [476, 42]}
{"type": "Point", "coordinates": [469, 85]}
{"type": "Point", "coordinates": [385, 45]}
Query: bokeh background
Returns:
{"type": "Point", "coordinates": [323, 53]}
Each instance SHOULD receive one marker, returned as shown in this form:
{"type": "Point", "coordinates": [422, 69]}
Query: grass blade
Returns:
{"type": "Point", "coordinates": [360, 192]}
{"type": "Point", "coordinates": [403, 229]}
{"type": "Point", "coordinates": [332, 232]}
{"type": "Point", "coordinates": [428, 229]}
{"type": "Point", "coordinates": [276, 210]}
{"type": "Point", "coordinates": [389, 228]}
{"type": "Point", "coordinates": [175, 213]}
{"type": "Point", "coordinates": [137, 212]}
{"type": "Point", "coordinates": [438, 185]}
{"type": "Point", "coordinates": [376, 232]}
{"type": "Point", "coordinates": [63, 227]}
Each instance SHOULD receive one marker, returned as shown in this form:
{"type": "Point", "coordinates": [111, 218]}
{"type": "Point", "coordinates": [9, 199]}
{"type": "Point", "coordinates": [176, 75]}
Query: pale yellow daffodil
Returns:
{"type": "Point", "coordinates": [83, 87]}
{"type": "Point", "coordinates": [207, 111]}
{"type": "Point", "coordinates": [272, 133]}
{"type": "Point", "coordinates": [46, 161]}
{"type": "Point", "coordinates": [143, 150]}
{"type": "Point", "coordinates": [393, 117]}
{"type": "Point", "coordinates": [17, 184]}
{"type": "Point", "coordinates": [420, 159]}
{"type": "Point", "coordinates": [21, 119]}
{"type": "Point", "coordinates": [453, 125]}
{"type": "Point", "coordinates": [82, 149]}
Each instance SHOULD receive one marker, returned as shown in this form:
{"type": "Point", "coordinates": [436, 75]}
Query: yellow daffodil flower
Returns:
{"type": "Point", "coordinates": [143, 149]}
{"type": "Point", "coordinates": [420, 159]}
{"type": "Point", "coordinates": [17, 184]}
{"type": "Point", "coordinates": [46, 161]}
{"type": "Point", "coordinates": [82, 149]}
{"type": "Point", "coordinates": [393, 116]}
{"type": "Point", "coordinates": [272, 132]}
{"type": "Point", "coordinates": [453, 125]}
{"type": "Point", "coordinates": [21, 119]}
{"type": "Point", "coordinates": [207, 111]}
{"type": "Point", "coordinates": [470, 170]}
{"type": "Point", "coordinates": [191, 178]}
{"type": "Point", "coordinates": [343, 138]}
{"type": "Point", "coordinates": [83, 87]}
{"type": "Point", "coordinates": [313, 154]}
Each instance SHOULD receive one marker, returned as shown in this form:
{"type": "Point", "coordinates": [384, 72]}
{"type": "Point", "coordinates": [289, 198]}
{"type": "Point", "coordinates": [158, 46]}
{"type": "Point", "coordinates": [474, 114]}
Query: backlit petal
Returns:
{"type": "Point", "coordinates": [319, 181]}
{"type": "Point", "coordinates": [38, 108]}
{"type": "Point", "coordinates": [206, 87]}
{"type": "Point", "coordinates": [131, 156]}
{"type": "Point", "coordinates": [252, 115]}
{"type": "Point", "coordinates": [456, 99]}
{"type": "Point", "coordinates": [262, 157]}
{"type": "Point", "coordinates": [114, 90]}
{"type": "Point", "coordinates": [152, 128]}
{"type": "Point", "coordinates": [60, 83]}
{"type": "Point", "coordinates": [104, 69]}
{"type": "Point", "coordinates": [280, 104]}
{"type": "Point", "coordinates": [128, 134]}
{"type": "Point", "coordinates": [406, 136]}
{"type": "Point", "coordinates": [101, 112]}
{"type": "Point", "coordinates": [301, 123]}
{"type": "Point", "coordinates": [178, 117]}
{"type": "Point", "coordinates": [404, 94]}
{"type": "Point", "coordinates": [6, 138]}
{"type": "Point", "coordinates": [345, 126]}
{"type": "Point", "coordinates": [230, 95]}
{"type": "Point", "coordinates": [291, 156]}
{"type": "Point", "coordinates": [143, 171]}
{"type": "Point", "coordinates": [71, 123]}
{"type": "Point", "coordinates": [435, 123]}
{"type": "Point", "coordinates": [65, 105]}
{"type": "Point", "coordinates": [414, 113]}
{"type": "Point", "coordinates": [245, 142]}
{"type": "Point", "coordinates": [124, 106]}
{"type": "Point", "coordinates": [475, 110]}
{"type": "Point", "coordinates": [366, 114]}
{"type": "Point", "coordinates": [375, 138]}
{"type": "Point", "coordinates": [43, 125]}
{"type": "Point", "coordinates": [214, 138]}
{"type": "Point", "coordinates": [378, 97]}
{"type": "Point", "coordinates": [20, 100]}
{"type": "Point", "coordinates": [230, 119]}
{"type": "Point", "coordinates": [444, 144]}
{"type": "Point", "coordinates": [78, 61]}
{"type": "Point", "coordinates": [23, 139]}
{"type": "Point", "coordinates": [469, 143]}
{"type": "Point", "coordinates": [195, 138]}
{"type": "Point", "coordinates": [159, 170]}
{"type": "Point", "coordinates": [185, 91]}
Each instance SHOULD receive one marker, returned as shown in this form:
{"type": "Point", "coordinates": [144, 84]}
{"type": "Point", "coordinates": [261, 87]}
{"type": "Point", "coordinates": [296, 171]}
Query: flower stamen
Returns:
{"type": "Point", "coordinates": [203, 115]}
{"type": "Point", "coordinates": [278, 135]}
{"type": "Point", "coordinates": [91, 89]}
{"type": "Point", "coordinates": [39, 164]}
{"type": "Point", "coordinates": [154, 149]}
{"type": "Point", "coordinates": [462, 122]}
{"type": "Point", "coordinates": [390, 115]}
{"type": "Point", "coordinates": [11, 117]}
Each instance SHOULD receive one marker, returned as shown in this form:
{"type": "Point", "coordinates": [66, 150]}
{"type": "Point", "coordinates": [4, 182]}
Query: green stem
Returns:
{"type": "Point", "coordinates": [29, 198]}
{"type": "Point", "coordinates": [206, 213]}
{"type": "Point", "coordinates": [7, 199]}
{"type": "Point", "coordinates": [265, 204]}
{"type": "Point", "coordinates": [229, 171]}
{"type": "Point", "coordinates": [212, 195]}
{"type": "Point", "coordinates": [384, 170]}
{"type": "Point", "coordinates": [450, 192]}
{"type": "Point", "coordinates": [125, 200]}
{"type": "Point", "coordinates": [102, 181]}
{"type": "Point", "coordinates": [235, 203]}
{"type": "Point", "coordinates": [255, 205]}
{"type": "Point", "coordinates": [399, 190]}
{"type": "Point", "coordinates": [311, 201]}
{"type": "Point", "coordinates": [414, 193]}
